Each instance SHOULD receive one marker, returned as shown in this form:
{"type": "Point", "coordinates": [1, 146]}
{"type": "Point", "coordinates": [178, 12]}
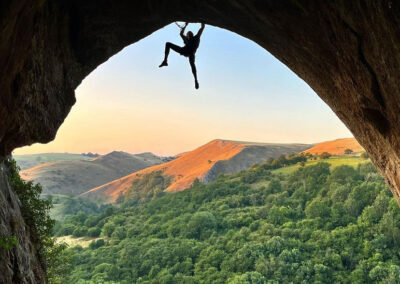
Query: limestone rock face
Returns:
{"type": "Point", "coordinates": [20, 264]}
{"type": "Point", "coordinates": [347, 51]}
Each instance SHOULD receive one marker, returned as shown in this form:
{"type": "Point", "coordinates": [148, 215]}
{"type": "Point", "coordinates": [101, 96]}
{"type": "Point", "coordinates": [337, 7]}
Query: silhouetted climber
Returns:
{"type": "Point", "coordinates": [189, 50]}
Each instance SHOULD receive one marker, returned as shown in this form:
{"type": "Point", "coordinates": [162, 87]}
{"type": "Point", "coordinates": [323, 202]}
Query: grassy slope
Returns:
{"type": "Point", "coordinates": [77, 176]}
{"type": "Point", "coordinates": [334, 161]}
{"type": "Point", "coordinates": [336, 147]}
{"type": "Point", "coordinates": [29, 161]}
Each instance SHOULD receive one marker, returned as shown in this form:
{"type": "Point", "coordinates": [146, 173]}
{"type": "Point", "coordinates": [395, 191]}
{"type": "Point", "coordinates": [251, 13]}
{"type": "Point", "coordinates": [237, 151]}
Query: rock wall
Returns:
{"type": "Point", "coordinates": [347, 51]}
{"type": "Point", "coordinates": [20, 264]}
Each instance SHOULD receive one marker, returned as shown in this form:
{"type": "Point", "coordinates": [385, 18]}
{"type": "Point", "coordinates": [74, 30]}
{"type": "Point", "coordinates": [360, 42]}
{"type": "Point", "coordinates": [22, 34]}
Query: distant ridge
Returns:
{"type": "Point", "coordinates": [76, 176]}
{"type": "Point", "coordinates": [30, 160]}
{"type": "Point", "coordinates": [205, 163]}
{"type": "Point", "coordinates": [336, 147]}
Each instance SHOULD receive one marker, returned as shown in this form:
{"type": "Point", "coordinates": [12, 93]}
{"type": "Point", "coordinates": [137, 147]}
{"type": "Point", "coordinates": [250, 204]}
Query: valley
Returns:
{"type": "Point", "coordinates": [322, 220]}
{"type": "Point", "coordinates": [229, 212]}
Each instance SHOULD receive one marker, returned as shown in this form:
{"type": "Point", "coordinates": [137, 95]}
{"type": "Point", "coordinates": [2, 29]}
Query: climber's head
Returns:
{"type": "Point", "coordinates": [189, 34]}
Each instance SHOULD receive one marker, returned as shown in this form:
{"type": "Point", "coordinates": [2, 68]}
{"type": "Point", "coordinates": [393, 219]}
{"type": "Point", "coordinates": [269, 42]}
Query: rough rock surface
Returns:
{"type": "Point", "coordinates": [347, 51]}
{"type": "Point", "coordinates": [19, 264]}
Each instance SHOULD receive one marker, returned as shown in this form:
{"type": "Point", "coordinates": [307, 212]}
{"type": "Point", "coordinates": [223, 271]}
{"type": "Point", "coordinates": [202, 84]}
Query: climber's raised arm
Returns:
{"type": "Point", "coordinates": [182, 33]}
{"type": "Point", "coordinates": [201, 29]}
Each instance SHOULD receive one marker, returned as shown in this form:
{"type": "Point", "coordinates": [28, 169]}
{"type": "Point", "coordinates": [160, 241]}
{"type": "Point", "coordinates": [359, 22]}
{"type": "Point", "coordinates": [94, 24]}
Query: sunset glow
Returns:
{"type": "Point", "coordinates": [245, 94]}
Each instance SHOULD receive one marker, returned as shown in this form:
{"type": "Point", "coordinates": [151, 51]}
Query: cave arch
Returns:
{"type": "Point", "coordinates": [347, 51]}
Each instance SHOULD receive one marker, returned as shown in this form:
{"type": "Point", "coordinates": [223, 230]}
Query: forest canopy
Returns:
{"type": "Point", "coordinates": [315, 225]}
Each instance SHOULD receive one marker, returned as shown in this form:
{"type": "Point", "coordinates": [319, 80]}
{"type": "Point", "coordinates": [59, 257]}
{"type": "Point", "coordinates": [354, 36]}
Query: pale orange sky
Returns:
{"type": "Point", "coordinates": [245, 94]}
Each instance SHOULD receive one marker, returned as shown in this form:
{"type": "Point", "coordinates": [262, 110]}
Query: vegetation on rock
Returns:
{"type": "Point", "coordinates": [35, 212]}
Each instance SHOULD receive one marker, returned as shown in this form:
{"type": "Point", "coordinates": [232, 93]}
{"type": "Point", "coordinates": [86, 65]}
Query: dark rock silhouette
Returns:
{"type": "Point", "coordinates": [347, 51]}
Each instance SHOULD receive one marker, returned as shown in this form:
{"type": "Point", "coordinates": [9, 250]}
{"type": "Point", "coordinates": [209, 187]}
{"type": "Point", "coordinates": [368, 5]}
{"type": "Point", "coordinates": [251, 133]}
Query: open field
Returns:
{"type": "Point", "coordinates": [72, 242]}
{"type": "Point", "coordinates": [334, 161]}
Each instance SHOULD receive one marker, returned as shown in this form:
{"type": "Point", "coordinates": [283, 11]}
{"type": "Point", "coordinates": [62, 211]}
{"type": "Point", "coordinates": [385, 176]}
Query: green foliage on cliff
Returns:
{"type": "Point", "coordinates": [315, 225]}
{"type": "Point", "coordinates": [8, 242]}
{"type": "Point", "coordinates": [35, 212]}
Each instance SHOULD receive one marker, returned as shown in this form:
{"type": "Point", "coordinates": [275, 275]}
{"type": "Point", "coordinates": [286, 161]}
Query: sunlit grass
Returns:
{"type": "Point", "coordinates": [73, 242]}
{"type": "Point", "coordinates": [335, 161]}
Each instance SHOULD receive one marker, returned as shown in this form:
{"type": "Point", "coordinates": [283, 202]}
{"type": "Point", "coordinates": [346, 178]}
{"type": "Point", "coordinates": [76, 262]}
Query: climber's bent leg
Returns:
{"type": "Point", "coordinates": [169, 46]}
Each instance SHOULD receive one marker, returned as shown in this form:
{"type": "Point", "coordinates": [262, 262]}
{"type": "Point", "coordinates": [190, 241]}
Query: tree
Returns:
{"type": "Point", "coordinates": [274, 186]}
{"type": "Point", "coordinates": [80, 232]}
{"type": "Point", "coordinates": [348, 151]}
{"type": "Point", "coordinates": [119, 233]}
{"type": "Point", "coordinates": [108, 229]}
{"type": "Point", "coordinates": [94, 232]}
{"type": "Point", "coordinates": [201, 225]}
{"type": "Point", "coordinates": [317, 208]}
{"type": "Point", "coordinates": [97, 244]}
{"type": "Point", "coordinates": [252, 277]}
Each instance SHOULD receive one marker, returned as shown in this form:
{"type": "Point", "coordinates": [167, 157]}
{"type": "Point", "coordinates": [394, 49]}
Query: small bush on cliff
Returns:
{"type": "Point", "coordinates": [35, 212]}
{"type": "Point", "coordinates": [8, 242]}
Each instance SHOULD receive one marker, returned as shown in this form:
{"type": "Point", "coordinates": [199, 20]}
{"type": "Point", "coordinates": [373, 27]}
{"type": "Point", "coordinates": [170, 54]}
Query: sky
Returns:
{"type": "Point", "coordinates": [129, 104]}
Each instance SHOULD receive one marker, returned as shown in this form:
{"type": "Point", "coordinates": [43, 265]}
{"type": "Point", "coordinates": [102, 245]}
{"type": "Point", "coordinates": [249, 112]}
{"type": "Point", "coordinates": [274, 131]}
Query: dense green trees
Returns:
{"type": "Point", "coordinates": [316, 225]}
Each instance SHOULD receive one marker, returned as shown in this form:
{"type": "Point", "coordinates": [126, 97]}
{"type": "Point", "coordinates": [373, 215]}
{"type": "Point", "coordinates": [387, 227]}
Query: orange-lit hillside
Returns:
{"type": "Point", "coordinates": [32, 173]}
{"type": "Point", "coordinates": [336, 147]}
{"type": "Point", "coordinates": [184, 169]}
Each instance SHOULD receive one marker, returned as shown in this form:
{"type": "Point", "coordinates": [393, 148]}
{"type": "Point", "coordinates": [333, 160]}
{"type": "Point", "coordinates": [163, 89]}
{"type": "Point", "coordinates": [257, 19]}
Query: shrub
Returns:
{"type": "Point", "coordinates": [97, 244]}
{"type": "Point", "coordinates": [80, 232]}
{"type": "Point", "coordinates": [66, 229]}
{"type": "Point", "coordinates": [325, 155]}
{"type": "Point", "coordinates": [94, 232]}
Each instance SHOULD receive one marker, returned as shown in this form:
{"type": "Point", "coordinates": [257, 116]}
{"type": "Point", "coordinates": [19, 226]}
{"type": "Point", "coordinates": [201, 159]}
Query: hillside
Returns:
{"type": "Point", "coordinates": [333, 161]}
{"type": "Point", "coordinates": [32, 160]}
{"type": "Point", "coordinates": [77, 176]}
{"type": "Point", "coordinates": [204, 163]}
{"type": "Point", "coordinates": [336, 147]}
